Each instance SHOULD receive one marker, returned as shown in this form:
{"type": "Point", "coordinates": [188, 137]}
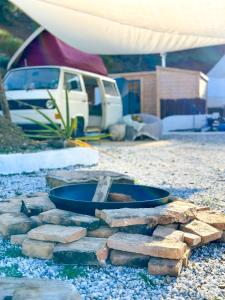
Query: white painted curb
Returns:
{"type": "Point", "coordinates": [31, 162]}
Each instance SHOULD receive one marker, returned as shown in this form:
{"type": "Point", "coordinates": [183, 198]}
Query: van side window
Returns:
{"type": "Point", "coordinates": [110, 88]}
{"type": "Point", "coordinates": [72, 82]}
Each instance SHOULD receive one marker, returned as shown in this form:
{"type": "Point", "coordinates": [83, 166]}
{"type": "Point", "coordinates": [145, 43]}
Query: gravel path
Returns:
{"type": "Point", "coordinates": [190, 166]}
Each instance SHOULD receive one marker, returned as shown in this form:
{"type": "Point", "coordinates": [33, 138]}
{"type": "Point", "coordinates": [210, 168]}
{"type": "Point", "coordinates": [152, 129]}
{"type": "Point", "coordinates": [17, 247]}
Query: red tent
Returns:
{"type": "Point", "coordinates": [46, 49]}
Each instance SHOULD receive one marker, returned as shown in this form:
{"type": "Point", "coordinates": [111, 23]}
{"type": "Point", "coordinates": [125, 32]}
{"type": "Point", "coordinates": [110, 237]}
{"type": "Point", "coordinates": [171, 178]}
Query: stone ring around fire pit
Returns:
{"type": "Point", "coordinates": [78, 197]}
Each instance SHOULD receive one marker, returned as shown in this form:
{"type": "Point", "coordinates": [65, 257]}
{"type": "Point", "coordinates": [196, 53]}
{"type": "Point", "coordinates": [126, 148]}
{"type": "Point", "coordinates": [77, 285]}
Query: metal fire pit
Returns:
{"type": "Point", "coordinates": [78, 197]}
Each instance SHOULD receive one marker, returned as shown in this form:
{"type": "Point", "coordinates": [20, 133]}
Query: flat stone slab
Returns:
{"type": "Point", "coordinates": [36, 221]}
{"type": "Point", "coordinates": [207, 232]}
{"type": "Point", "coordinates": [37, 249]}
{"type": "Point", "coordinates": [57, 233]}
{"type": "Point", "coordinates": [122, 258]}
{"type": "Point", "coordinates": [178, 211]}
{"type": "Point", "coordinates": [68, 218]}
{"type": "Point", "coordinates": [32, 206]}
{"type": "Point", "coordinates": [86, 251]}
{"type": "Point", "coordinates": [14, 223]}
{"type": "Point", "coordinates": [191, 239]}
{"type": "Point", "coordinates": [169, 233]}
{"type": "Point", "coordinates": [142, 244]}
{"type": "Point", "coordinates": [12, 205]}
{"type": "Point", "coordinates": [138, 229]}
{"type": "Point", "coordinates": [36, 289]}
{"type": "Point", "coordinates": [18, 239]}
{"type": "Point", "coordinates": [163, 266]}
{"type": "Point", "coordinates": [212, 218]}
{"type": "Point", "coordinates": [102, 232]}
{"type": "Point", "coordinates": [173, 225]}
{"type": "Point", "coordinates": [61, 177]}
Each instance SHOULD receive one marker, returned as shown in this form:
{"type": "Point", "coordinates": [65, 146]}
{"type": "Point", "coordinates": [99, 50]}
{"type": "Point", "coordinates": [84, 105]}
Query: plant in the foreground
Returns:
{"type": "Point", "coordinates": [10, 251]}
{"type": "Point", "coordinates": [53, 130]}
{"type": "Point", "coordinates": [146, 279]}
{"type": "Point", "coordinates": [11, 271]}
{"type": "Point", "coordinates": [71, 272]}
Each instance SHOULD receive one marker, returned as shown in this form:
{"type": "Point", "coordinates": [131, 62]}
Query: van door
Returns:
{"type": "Point", "coordinates": [112, 103]}
{"type": "Point", "coordinates": [78, 100]}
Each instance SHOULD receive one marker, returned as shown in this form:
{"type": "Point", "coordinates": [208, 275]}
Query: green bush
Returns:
{"type": "Point", "coordinates": [8, 43]}
{"type": "Point", "coordinates": [7, 9]}
{"type": "Point", "coordinates": [4, 59]}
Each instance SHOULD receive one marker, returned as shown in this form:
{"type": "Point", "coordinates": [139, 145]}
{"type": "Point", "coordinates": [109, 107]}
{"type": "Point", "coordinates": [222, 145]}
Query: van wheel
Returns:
{"type": "Point", "coordinates": [79, 131]}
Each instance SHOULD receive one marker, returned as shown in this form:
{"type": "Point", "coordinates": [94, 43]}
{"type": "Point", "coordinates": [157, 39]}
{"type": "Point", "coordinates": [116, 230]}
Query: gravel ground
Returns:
{"type": "Point", "coordinates": [190, 166]}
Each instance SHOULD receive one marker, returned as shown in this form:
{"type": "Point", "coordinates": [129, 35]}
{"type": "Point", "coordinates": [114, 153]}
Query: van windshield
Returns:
{"type": "Point", "coordinates": [32, 79]}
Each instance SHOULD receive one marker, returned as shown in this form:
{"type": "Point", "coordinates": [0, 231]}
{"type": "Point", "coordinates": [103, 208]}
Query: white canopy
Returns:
{"type": "Point", "coordinates": [131, 26]}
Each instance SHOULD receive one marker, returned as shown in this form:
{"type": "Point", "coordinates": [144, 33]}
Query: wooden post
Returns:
{"type": "Point", "coordinates": [3, 101]}
{"type": "Point", "coordinates": [102, 189]}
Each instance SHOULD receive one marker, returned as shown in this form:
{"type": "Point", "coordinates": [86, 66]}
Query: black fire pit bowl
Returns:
{"type": "Point", "coordinates": [78, 197]}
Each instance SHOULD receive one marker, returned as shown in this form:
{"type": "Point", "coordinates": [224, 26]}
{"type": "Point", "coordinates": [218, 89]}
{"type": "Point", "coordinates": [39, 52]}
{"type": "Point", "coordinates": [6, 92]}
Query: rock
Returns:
{"type": "Point", "coordinates": [12, 205]}
{"type": "Point", "coordinates": [32, 206]}
{"type": "Point", "coordinates": [36, 221]}
{"type": "Point", "coordinates": [37, 249]}
{"type": "Point", "coordinates": [57, 233]}
{"type": "Point", "coordinates": [173, 225]}
{"type": "Point", "coordinates": [36, 289]}
{"type": "Point", "coordinates": [177, 211]}
{"type": "Point", "coordinates": [142, 244]}
{"type": "Point", "coordinates": [117, 132]}
{"type": "Point", "coordinates": [86, 251]}
{"type": "Point", "coordinates": [212, 218]}
{"type": "Point", "coordinates": [122, 258]}
{"type": "Point", "coordinates": [186, 257]}
{"type": "Point", "coordinates": [222, 239]}
{"type": "Point", "coordinates": [163, 266]}
{"type": "Point", "coordinates": [191, 239]}
{"type": "Point", "coordinates": [14, 223]}
{"type": "Point", "coordinates": [202, 208]}
{"type": "Point", "coordinates": [68, 218]}
{"type": "Point", "coordinates": [36, 194]}
{"type": "Point", "coordinates": [139, 229]}
{"type": "Point", "coordinates": [102, 232]}
{"type": "Point", "coordinates": [182, 211]}
{"type": "Point", "coordinates": [62, 177]}
{"type": "Point", "coordinates": [169, 233]}
{"type": "Point", "coordinates": [18, 239]}
{"type": "Point", "coordinates": [207, 232]}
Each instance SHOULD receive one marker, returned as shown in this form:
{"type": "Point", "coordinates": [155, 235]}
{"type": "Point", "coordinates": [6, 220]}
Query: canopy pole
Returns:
{"type": "Point", "coordinates": [163, 59]}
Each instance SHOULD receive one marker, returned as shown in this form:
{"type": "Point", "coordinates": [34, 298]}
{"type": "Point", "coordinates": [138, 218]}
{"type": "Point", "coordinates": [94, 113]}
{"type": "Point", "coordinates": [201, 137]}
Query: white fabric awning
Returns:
{"type": "Point", "coordinates": [131, 26]}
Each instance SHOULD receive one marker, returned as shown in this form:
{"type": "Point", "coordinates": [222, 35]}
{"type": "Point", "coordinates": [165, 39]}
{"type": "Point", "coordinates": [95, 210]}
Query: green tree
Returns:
{"type": "Point", "coordinates": [6, 9]}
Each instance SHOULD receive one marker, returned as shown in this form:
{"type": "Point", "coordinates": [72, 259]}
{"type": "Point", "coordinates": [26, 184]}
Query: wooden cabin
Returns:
{"type": "Point", "coordinates": [168, 91]}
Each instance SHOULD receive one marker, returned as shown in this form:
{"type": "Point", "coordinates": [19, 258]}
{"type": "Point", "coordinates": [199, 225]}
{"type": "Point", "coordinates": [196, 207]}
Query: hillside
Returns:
{"type": "Point", "coordinates": [17, 26]}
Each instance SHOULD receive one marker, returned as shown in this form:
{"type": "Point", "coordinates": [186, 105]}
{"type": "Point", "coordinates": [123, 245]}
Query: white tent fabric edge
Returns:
{"type": "Point", "coordinates": [93, 28]}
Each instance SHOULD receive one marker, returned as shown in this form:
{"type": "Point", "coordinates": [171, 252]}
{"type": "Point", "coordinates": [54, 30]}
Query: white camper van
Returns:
{"type": "Point", "coordinates": [92, 97]}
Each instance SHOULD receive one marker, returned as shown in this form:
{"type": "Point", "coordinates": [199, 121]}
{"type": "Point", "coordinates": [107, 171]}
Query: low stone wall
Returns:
{"type": "Point", "coordinates": [18, 163]}
{"type": "Point", "coordinates": [159, 238]}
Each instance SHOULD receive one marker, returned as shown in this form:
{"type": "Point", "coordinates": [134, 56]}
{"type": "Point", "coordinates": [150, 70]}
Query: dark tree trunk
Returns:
{"type": "Point", "coordinates": [3, 101]}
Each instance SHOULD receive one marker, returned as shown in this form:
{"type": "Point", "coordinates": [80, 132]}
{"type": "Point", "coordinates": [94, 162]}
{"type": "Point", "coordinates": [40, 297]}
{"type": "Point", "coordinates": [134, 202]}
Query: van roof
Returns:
{"type": "Point", "coordinates": [65, 69]}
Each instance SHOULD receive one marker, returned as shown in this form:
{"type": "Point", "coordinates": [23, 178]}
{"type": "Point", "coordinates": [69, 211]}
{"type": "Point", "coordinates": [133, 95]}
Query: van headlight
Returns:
{"type": "Point", "coordinates": [50, 104]}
